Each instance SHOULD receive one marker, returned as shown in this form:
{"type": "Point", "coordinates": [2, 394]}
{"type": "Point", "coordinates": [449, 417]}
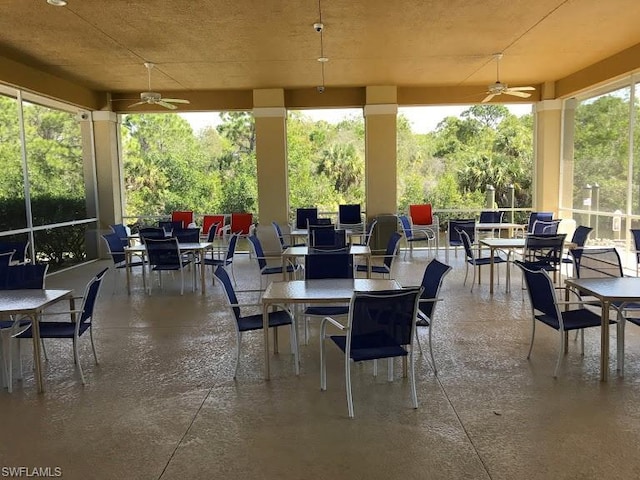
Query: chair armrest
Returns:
{"type": "Point", "coordinates": [333, 322]}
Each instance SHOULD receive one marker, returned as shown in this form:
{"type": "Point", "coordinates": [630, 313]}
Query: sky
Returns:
{"type": "Point", "coordinates": [423, 119]}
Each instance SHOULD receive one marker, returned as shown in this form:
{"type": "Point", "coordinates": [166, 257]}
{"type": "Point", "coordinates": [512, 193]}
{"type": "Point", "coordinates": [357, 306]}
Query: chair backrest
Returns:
{"type": "Point", "coordinates": [369, 231]}
{"type": "Point", "coordinates": [580, 235]}
{"type": "Point", "coordinates": [279, 234]}
{"type": "Point", "coordinates": [184, 216]}
{"type": "Point", "coordinates": [328, 264]}
{"type": "Point", "coordinates": [18, 249]}
{"type": "Point", "coordinates": [545, 227]}
{"type": "Point", "coordinates": [431, 282]}
{"type": "Point", "coordinates": [23, 276]}
{"type": "Point", "coordinates": [636, 241]}
{"type": "Point", "coordinates": [322, 235]}
{"type": "Point", "coordinates": [151, 232]}
{"type": "Point", "coordinates": [116, 250]}
{"type": "Point", "coordinates": [163, 252]}
{"type": "Point", "coordinates": [392, 249]}
{"type": "Point", "coordinates": [596, 262]}
{"type": "Point", "coordinates": [212, 232]}
{"type": "Point", "coordinates": [231, 249]}
{"type": "Point", "coordinates": [421, 214]}
{"type": "Point", "coordinates": [349, 214]}
{"type": "Point", "coordinates": [546, 247]}
{"type": "Point", "coordinates": [230, 293]}
{"type": "Point", "coordinates": [209, 220]}
{"type": "Point", "coordinates": [304, 216]}
{"type": "Point", "coordinates": [382, 319]}
{"type": "Point", "coordinates": [187, 235]}
{"type": "Point", "coordinates": [544, 216]}
{"type": "Point", "coordinates": [241, 223]}
{"type": "Point", "coordinates": [541, 291]}
{"type": "Point", "coordinates": [90, 296]}
{"type": "Point", "coordinates": [491, 216]}
{"type": "Point", "coordinates": [120, 230]}
{"type": "Point", "coordinates": [468, 225]}
{"type": "Point", "coordinates": [257, 249]}
{"type": "Point", "coordinates": [405, 223]}
{"type": "Point", "coordinates": [466, 243]}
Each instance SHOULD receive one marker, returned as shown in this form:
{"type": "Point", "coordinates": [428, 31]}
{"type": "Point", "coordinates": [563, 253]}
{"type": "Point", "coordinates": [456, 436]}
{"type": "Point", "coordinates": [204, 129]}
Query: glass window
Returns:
{"type": "Point", "coordinates": [13, 214]}
{"type": "Point", "coordinates": [55, 165]}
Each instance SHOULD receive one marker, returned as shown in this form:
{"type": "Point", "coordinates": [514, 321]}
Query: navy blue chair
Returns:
{"type": "Point", "coordinates": [265, 268]}
{"type": "Point", "coordinates": [164, 255]}
{"type": "Point", "coordinates": [222, 262]}
{"type": "Point", "coordinates": [544, 252]}
{"type": "Point", "coordinates": [477, 262]}
{"type": "Point", "coordinates": [366, 240]}
{"type": "Point", "coordinates": [545, 308]}
{"type": "Point", "coordinates": [544, 227]}
{"type": "Point", "coordinates": [284, 244]}
{"type": "Point", "coordinates": [247, 323]}
{"type": "Point", "coordinates": [453, 236]}
{"type": "Point", "coordinates": [431, 283]}
{"type": "Point", "coordinates": [18, 250]}
{"type": "Point", "coordinates": [73, 330]}
{"type": "Point", "coordinates": [381, 325]}
{"type": "Point", "coordinates": [116, 250]}
{"type": "Point", "coordinates": [120, 230]}
{"type": "Point", "coordinates": [636, 243]}
{"type": "Point", "coordinates": [579, 240]}
{"type": "Point", "coordinates": [305, 216]}
{"type": "Point", "coordinates": [154, 233]}
{"type": "Point", "coordinates": [187, 235]}
{"type": "Point", "coordinates": [322, 236]}
{"type": "Point", "coordinates": [17, 277]}
{"type": "Point", "coordinates": [326, 264]}
{"type": "Point", "coordinates": [542, 216]}
{"type": "Point", "coordinates": [413, 235]}
{"type": "Point", "coordinates": [387, 259]}
{"type": "Point", "coordinates": [350, 217]}
{"type": "Point", "coordinates": [491, 216]}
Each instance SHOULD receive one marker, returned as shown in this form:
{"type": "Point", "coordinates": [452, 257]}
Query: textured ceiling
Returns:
{"type": "Point", "coordinates": [249, 44]}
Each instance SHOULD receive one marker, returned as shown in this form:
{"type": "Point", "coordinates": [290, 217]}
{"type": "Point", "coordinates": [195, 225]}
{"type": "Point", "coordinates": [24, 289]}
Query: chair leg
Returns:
{"type": "Point", "coordinates": [323, 360]}
{"type": "Point", "coordinates": [560, 355]}
{"type": "Point", "coordinates": [433, 360]}
{"type": "Point", "coordinates": [347, 376]}
{"type": "Point", "coordinates": [412, 379]}
{"type": "Point", "coordinates": [6, 361]}
{"type": "Point", "coordinates": [466, 273]}
{"type": "Point", "coordinates": [620, 342]}
{"type": "Point", "coordinates": [294, 346]}
{"type": "Point", "coordinates": [533, 333]}
{"type": "Point", "coordinates": [418, 342]}
{"type": "Point", "coordinates": [93, 346]}
{"type": "Point", "coordinates": [76, 358]}
{"type": "Point", "coordinates": [473, 281]}
{"type": "Point", "coordinates": [238, 342]}
{"type": "Point", "coordinates": [390, 369]}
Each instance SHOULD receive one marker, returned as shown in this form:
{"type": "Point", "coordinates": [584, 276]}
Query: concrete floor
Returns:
{"type": "Point", "coordinates": [162, 403]}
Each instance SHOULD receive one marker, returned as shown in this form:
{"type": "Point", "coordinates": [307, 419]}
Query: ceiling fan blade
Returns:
{"type": "Point", "coordinates": [488, 97]}
{"type": "Point", "coordinates": [136, 104]}
{"type": "Point", "coordinates": [520, 89]}
{"type": "Point", "coordinates": [166, 105]}
{"type": "Point", "coordinates": [517, 94]}
{"type": "Point", "coordinates": [175, 100]}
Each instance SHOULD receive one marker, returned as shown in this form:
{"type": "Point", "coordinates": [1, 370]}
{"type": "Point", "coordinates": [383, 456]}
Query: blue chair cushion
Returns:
{"type": "Point", "coordinates": [254, 322]}
{"type": "Point", "coordinates": [56, 330]}
{"type": "Point", "coordinates": [383, 269]}
{"type": "Point", "coordinates": [327, 311]}
{"type": "Point", "coordinates": [573, 319]}
{"type": "Point", "coordinates": [361, 351]}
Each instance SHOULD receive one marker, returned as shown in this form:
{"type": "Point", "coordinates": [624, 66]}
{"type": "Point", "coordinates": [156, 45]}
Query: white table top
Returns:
{"type": "Point", "coordinates": [497, 242]}
{"type": "Point", "coordinates": [301, 251]}
{"type": "Point", "coordinates": [323, 291]}
{"type": "Point", "coordinates": [13, 302]}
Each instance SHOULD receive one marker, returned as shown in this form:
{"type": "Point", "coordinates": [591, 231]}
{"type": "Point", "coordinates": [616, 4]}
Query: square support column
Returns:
{"type": "Point", "coordinates": [109, 169]}
{"type": "Point", "coordinates": [548, 150]}
{"type": "Point", "coordinates": [271, 155]}
{"type": "Point", "coordinates": [381, 151]}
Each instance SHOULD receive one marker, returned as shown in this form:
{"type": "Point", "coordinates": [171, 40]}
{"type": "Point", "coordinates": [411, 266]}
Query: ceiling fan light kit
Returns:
{"type": "Point", "coordinates": [155, 98]}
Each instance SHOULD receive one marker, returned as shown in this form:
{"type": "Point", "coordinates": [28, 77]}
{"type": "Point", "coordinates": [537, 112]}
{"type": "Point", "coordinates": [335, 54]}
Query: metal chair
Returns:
{"type": "Point", "coordinates": [247, 323]}
{"type": "Point", "coordinates": [545, 308]}
{"type": "Point", "coordinates": [413, 235]}
{"type": "Point", "coordinates": [387, 259]}
{"type": "Point", "coordinates": [265, 268]}
{"type": "Point", "coordinates": [82, 322]}
{"type": "Point", "coordinates": [476, 261]}
{"type": "Point", "coordinates": [380, 325]}
{"type": "Point", "coordinates": [164, 255]}
{"type": "Point", "coordinates": [453, 236]}
{"type": "Point", "coordinates": [222, 262]}
{"type": "Point", "coordinates": [116, 250]}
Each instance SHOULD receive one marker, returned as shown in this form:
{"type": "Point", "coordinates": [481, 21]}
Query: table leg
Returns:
{"type": "Point", "coordinates": [491, 252]}
{"type": "Point", "coordinates": [604, 342]}
{"type": "Point", "coordinates": [203, 279]}
{"type": "Point", "coordinates": [37, 361]}
{"type": "Point", "coordinates": [127, 262]}
{"type": "Point", "coordinates": [265, 328]}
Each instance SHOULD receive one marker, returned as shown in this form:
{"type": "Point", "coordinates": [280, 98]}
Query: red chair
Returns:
{"type": "Point", "coordinates": [241, 223]}
{"type": "Point", "coordinates": [182, 216]}
{"type": "Point", "coordinates": [422, 216]}
{"type": "Point", "coordinates": [209, 220]}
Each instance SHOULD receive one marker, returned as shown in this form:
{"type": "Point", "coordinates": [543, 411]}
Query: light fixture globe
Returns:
{"type": "Point", "coordinates": [57, 3]}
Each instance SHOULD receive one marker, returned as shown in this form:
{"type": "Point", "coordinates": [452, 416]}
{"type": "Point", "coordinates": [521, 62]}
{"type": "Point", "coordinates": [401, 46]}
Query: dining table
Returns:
{"type": "Point", "coordinates": [197, 248]}
{"type": "Point", "coordinates": [610, 291]}
{"type": "Point", "coordinates": [31, 303]}
{"type": "Point", "coordinates": [323, 291]}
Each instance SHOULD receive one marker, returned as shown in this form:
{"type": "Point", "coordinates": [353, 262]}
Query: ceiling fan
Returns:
{"type": "Point", "coordinates": [154, 98]}
{"type": "Point", "coordinates": [498, 88]}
